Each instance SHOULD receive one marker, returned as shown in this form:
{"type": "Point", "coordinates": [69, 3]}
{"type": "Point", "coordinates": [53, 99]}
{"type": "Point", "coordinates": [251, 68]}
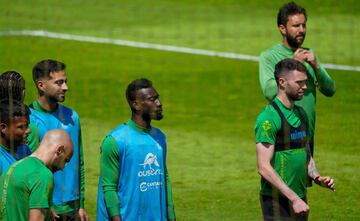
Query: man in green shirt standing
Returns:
{"type": "Point", "coordinates": [283, 156]}
{"type": "Point", "coordinates": [291, 22]}
{"type": "Point", "coordinates": [26, 187]}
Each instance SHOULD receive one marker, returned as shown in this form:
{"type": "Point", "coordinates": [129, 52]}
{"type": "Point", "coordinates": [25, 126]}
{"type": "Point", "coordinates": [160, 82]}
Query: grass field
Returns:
{"type": "Point", "coordinates": [210, 104]}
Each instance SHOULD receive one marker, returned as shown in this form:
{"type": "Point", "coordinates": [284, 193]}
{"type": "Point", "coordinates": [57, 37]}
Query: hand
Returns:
{"type": "Point", "coordinates": [300, 207]}
{"type": "Point", "coordinates": [83, 215]}
{"type": "Point", "coordinates": [310, 58]}
{"type": "Point", "coordinates": [300, 54]}
{"type": "Point", "coordinates": [54, 215]}
{"type": "Point", "coordinates": [325, 181]}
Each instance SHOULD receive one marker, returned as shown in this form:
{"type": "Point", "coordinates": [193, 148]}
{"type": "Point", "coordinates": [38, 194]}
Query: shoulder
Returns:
{"type": "Point", "coordinates": [157, 132]}
{"type": "Point", "coordinates": [268, 119]}
{"type": "Point", "coordinates": [268, 112]}
{"type": "Point", "coordinates": [268, 53]}
{"type": "Point", "coordinates": [67, 110]}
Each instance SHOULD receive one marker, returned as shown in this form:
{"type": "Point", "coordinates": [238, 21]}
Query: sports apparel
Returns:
{"type": "Point", "coordinates": [132, 180]}
{"type": "Point", "coordinates": [281, 209]}
{"type": "Point", "coordinates": [69, 184]}
{"type": "Point", "coordinates": [26, 185]}
{"type": "Point", "coordinates": [7, 157]}
{"type": "Point", "coordinates": [316, 78]}
{"type": "Point", "coordinates": [286, 130]}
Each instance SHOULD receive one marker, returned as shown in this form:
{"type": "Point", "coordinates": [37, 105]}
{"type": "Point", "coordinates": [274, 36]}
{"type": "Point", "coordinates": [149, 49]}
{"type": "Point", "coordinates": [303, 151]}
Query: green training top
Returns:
{"type": "Point", "coordinates": [289, 162]}
{"type": "Point", "coordinates": [316, 78]}
{"type": "Point", "coordinates": [110, 171]}
{"type": "Point", "coordinates": [27, 184]}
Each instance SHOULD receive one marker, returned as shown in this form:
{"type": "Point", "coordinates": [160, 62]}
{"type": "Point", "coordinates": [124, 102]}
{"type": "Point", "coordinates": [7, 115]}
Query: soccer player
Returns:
{"type": "Point", "coordinates": [26, 187]}
{"type": "Point", "coordinates": [14, 121]}
{"type": "Point", "coordinates": [47, 113]}
{"type": "Point", "coordinates": [12, 87]}
{"type": "Point", "coordinates": [134, 183]}
{"type": "Point", "coordinates": [283, 156]}
{"type": "Point", "coordinates": [291, 22]}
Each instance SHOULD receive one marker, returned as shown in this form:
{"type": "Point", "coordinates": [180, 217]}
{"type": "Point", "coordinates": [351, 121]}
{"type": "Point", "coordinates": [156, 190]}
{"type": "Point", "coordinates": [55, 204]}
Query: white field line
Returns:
{"type": "Point", "coordinates": [41, 33]}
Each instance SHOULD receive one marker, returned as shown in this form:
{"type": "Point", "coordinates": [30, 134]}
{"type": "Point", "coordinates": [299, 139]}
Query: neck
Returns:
{"type": "Point", "coordinates": [285, 100]}
{"type": "Point", "coordinates": [5, 143]}
{"type": "Point", "coordinates": [47, 104]}
{"type": "Point", "coordinates": [139, 120]}
{"type": "Point", "coordinates": [286, 44]}
{"type": "Point", "coordinates": [42, 156]}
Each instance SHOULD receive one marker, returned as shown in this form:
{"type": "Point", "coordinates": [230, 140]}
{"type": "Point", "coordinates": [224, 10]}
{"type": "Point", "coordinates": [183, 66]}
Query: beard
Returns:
{"type": "Point", "coordinates": [295, 97]}
{"type": "Point", "coordinates": [293, 42]}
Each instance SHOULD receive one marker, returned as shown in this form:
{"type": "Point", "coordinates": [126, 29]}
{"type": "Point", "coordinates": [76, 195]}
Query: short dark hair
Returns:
{"type": "Point", "coordinates": [135, 86]}
{"type": "Point", "coordinates": [43, 69]}
{"type": "Point", "coordinates": [10, 109]}
{"type": "Point", "coordinates": [286, 65]}
{"type": "Point", "coordinates": [12, 85]}
{"type": "Point", "coordinates": [287, 10]}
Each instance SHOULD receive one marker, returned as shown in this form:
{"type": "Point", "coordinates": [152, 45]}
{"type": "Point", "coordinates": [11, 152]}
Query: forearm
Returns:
{"type": "Point", "coordinates": [82, 176]}
{"type": "Point", "coordinates": [325, 82]}
{"type": "Point", "coordinates": [169, 197]}
{"type": "Point", "coordinates": [270, 175]}
{"type": "Point", "coordinates": [112, 202]}
{"type": "Point", "coordinates": [313, 172]}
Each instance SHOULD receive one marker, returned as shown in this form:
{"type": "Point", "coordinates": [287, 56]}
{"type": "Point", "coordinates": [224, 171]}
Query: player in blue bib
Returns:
{"type": "Point", "coordinates": [134, 183]}
{"type": "Point", "coordinates": [47, 114]}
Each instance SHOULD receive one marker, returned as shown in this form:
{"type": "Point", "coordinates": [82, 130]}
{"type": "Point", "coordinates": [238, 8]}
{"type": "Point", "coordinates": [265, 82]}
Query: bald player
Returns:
{"type": "Point", "coordinates": [27, 185]}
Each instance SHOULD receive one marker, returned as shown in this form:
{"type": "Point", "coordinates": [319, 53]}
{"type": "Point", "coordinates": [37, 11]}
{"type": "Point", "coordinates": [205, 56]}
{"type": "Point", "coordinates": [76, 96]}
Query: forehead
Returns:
{"type": "Point", "coordinates": [296, 75]}
{"type": "Point", "coordinates": [57, 75]}
{"type": "Point", "coordinates": [19, 120]}
{"type": "Point", "coordinates": [146, 93]}
{"type": "Point", "coordinates": [296, 19]}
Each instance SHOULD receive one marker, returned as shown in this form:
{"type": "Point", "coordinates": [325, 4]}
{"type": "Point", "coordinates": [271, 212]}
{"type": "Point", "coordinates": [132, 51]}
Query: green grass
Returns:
{"type": "Point", "coordinates": [210, 104]}
{"type": "Point", "coordinates": [246, 27]}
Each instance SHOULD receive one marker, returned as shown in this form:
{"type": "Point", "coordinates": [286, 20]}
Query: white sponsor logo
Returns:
{"type": "Point", "coordinates": [144, 186]}
{"type": "Point", "coordinates": [149, 160]}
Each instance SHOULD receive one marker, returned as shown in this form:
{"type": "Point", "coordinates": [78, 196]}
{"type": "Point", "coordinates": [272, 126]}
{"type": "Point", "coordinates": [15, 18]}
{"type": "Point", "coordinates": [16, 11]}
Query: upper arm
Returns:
{"type": "Point", "coordinates": [41, 188]}
{"type": "Point", "coordinates": [37, 214]}
{"type": "Point", "coordinates": [33, 138]}
{"type": "Point", "coordinates": [266, 76]}
{"type": "Point", "coordinates": [264, 153]}
{"type": "Point", "coordinates": [109, 166]}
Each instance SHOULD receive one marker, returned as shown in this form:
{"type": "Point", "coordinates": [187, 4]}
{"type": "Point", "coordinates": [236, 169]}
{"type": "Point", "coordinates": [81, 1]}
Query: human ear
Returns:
{"type": "Point", "coordinates": [282, 29]}
{"type": "Point", "coordinates": [3, 128]}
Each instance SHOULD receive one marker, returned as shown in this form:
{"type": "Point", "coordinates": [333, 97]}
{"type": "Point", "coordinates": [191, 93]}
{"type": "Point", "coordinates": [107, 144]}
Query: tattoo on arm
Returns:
{"type": "Point", "coordinates": [312, 170]}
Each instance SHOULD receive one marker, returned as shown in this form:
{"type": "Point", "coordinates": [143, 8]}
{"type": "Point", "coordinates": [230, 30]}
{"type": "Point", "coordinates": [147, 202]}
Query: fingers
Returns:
{"type": "Point", "coordinates": [327, 182]}
{"type": "Point", "coordinates": [300, 207]}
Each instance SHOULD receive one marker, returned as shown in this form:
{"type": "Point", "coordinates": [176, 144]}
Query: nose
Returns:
{"type": "Point", "coordinates": [158, 103]}
{"type": "Point", "coordinates": [27, 131]}
{"type": "Point", "coordinates": [64, 87]}
{"type": "Point", "coordinates": [302, 28]}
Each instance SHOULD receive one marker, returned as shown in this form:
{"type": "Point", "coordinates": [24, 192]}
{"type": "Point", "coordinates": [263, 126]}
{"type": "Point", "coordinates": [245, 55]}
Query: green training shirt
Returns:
{"type": "Point", "coordinates": [290, 164]}
{"type": "Point", "coordinates": [27, 184]}
{"type": "Point", "coordinates": [316, 78]}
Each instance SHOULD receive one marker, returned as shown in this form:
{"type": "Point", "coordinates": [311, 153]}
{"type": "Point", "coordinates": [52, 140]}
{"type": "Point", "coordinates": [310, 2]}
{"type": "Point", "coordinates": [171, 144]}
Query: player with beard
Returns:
{"type": "Point", "coordinates": [134, 183]}
{"type": "Point", "coordinates": [283, 155]}
{"type": "Point", "coordinates": [291, 22]}
{"type": "Point", "coordinates": [48, 114]}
